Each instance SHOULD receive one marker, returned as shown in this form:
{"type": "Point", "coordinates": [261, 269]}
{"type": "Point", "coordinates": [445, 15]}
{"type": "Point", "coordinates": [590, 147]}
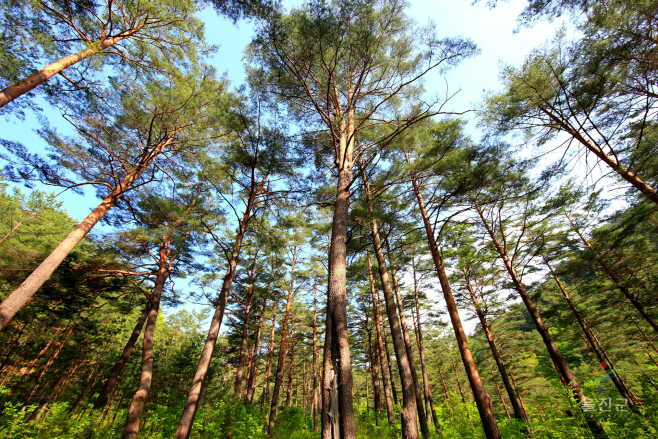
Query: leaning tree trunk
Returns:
{"type": "Point", "coordinates": [409, 410]}
{"type": "Point", "coordinates": [482, 399]}
{"type": "Point", "coordinates": [561, 365]}
{"type": "Point", "coordinates": [281, 362]}
{"type": "Point", "coordinates": [518, 411]}
{"type": "Point", "coordinates": [380, 348]}
{"type": "Point", "coordinates": [270, 354]}
{"type": "Point", "coordinates": [22, 295]}
{"type": "Point", "coordinates": [193, 397]}
{"type": "Point", "coordinates": [606, 365]}
{"type": "Point", "coordinates": [255, 359]}
{"type": "Point", "coordinates": [429, 403]}
{"type": "Point", "coordinates": [104, 396]}
{"type": "Point", "coordinates": [237, 389]}
{"type": "Point", "coordinates": [136, 409]}
{"type": "Point", "coordinates": [25, 85]}
{"type": "Point", "coordinates": [617, 280]}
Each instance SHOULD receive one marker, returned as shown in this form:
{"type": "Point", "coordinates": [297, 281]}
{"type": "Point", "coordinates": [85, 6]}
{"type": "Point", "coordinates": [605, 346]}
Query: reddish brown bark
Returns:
{"type": "Point", "coordinates": [111, 381]}
{"type": "Point", "coordinates": [562, 367]}
{"type": "Point", "coordinates": [482, 399]}
{"type": "Point", "coordinates": [516, 407]}
{"type": "Point", "coordinates": [237, 389]}
{"type": "Point", "coordinates": [131, 427]}
{"type": "Point", "coordinates": [380, 348]}
{"type": "Point", "coordinates": [270, 353]}
{"type": "Point", "coordinates": [278, 381]}
{"type": "Point", "coordinates": [194, 395]}
{"type": "Point", "coordinates": [22, 295]}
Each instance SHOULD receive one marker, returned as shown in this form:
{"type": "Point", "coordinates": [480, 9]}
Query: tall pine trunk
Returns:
{"type": "Point", "coordinates": [380, 348]}
{"type": "Point", "coordinates": [131, 428]}
{"type": "Point", "coordinates": [194, 395]}
{"type": "Point", "coordinates": [22, 295]}
{"type": "Point", "coordinates": [518, 411]}
{"type": "Point", "coordinates": [237, 389]}
{"type": "Point", "coordinates": [482, 399]}
{"type": "Point", "coordinates": [281, 362]}
{"type": "Point", "coordinates": [561, 365]}
{"type": "Point", "coordinates": [589, 335]}
{"type": "Point", "coordinates": [111, 381]}
{"type": "Point", "coordinates": [265, 398]}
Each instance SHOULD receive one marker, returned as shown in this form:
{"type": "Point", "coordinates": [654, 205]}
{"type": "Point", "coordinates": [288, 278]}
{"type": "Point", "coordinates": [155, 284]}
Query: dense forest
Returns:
{"type": "Point", "coordinates": [326, 251]}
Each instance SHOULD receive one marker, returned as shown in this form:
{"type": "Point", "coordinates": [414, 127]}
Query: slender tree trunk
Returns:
{"type": "Point", "coordinates": [429, 398]}
{"type": "Point", "coordinates": [270, 355]}
{"type": "Point", "coordinates": [380, 349]}
{"type": "Point", "coordinates": [245, 328]}
{"type": "Point", "coordinates": [193, 397]}
{"type": "Point", "coordinates": [15, 227]}
{"type": "Point", "coordinates": [374, 376]}
{"type": "Point", "coordinates": [587, 331]}
{"type": "Point", "coordinates": [443, 381]}
{"type": "Point", "coordinates": [314, 404]}
{"type": "Point", "coordinates": [131, 428]}
{"type": "Point", "coordinates": [563, 368]}
{"type": "Point", "coordinates": [291, 348]}
{"type": "Point", "coordinates": [282, 350]}
{"type": "Point", "coordinates": [48, 364]}
{"type": "Point", "coordinates": [327, 378]}
{"type": "Point", "coordinates": [111, 381]}
{"type": "Point", "coordinates": [617, 280]}
{"type": "Point", "coordinates": [389, 366]}
{"type": "Point", "coordinates": [255, 359]}
{"type": "Point", "coordinates": [24, 293]}
{"type": "Point", "coordinates": [516, 407]}
{"type": "Point", "coordinates": [482, 399]}
{"type": "Point", "coordinates": [609, 160]}
{"type": "Point", "coordinates": [409, 410]}
{"type": "Point", "coordinates": [25, 85]}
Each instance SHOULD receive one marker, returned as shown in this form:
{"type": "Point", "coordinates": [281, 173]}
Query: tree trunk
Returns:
{"type": "Point", "coordinates": [337, 276]}
{"type": "Point", "coordinates": [389, 366]}
{"type": "Point", "coordinates": [45, 368]}
{"type": "Point", "coordinates": [587, 331]}
{"type": "Point", "coordinates": [136, 409]}
{"type": "Point", "coordinates": [562, 367]}
{"type": "Point", "coordinates": [409, 410]}
{"type": "Point", "coordinates": [253, 369]}
{"type": "Point", "coordinates": [327, 377]}
{"type": "Point", "coordinates": [609, 160]}
{"type": "Point", "coordinates": [380, 350]}
{"type": "Point", "coordinates": [291, 348]}
{"type": "Point", "coordinates": [482, 399]}
{"type": "Point", "coordinates": [108, 387]}
{"type": "Point", "coordinates": [429, 399]}
{"type": "Point", "coordinates": [314, 404]}
{"type": "Point", "coordinates": [443, 382]}
{"type": "Point", "coordinates": [23, 294]}
{"type": "Point", "coordinates": [25, 85]}
{"type": "Point", "coordinates": [192, 403]}
{"type": "Point", "coordinates": [422, 414]}
{"type": "Point", "coordinates": [270, 355]}
{"type": "Point", "coordinates": [282, 350]}
{"type": "Point", "coordinates": [516, 407]}
{"type": "Point", "coordinates": [243, 342]}
{"type": "Point", "coordinates": [617, 280]}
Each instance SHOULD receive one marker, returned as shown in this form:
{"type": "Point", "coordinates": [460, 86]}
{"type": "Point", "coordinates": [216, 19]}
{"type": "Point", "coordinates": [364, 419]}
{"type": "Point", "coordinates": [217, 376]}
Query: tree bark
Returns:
{"type": "Point", "coordinates": [516, 407]}
{"type": "Point", "coordinates": [255, 359]}
{"type": "Point", "coordinates": [482, 399]}
{"type": "Point", "coordinates": [561, 365]}
{"type": "Point", "coordinates": [193, 397]}
{"type": "Point", "coordinates": [111, 381]}
{"type": "Point", "coordinates": [617, 280]}
{"type": "Point", "coordinates": [337, 291]}
{"type": "Point", "coordinates": [282, 350]}
{"type": "Point", "coordinates": [25, 85]}
{"type": "Point", "coordinates": [380, 348]}
{"type": "Point", "coordinates": [270, 354]}
{"type": "Point", "coordinates": [131, 428]}
{"type": "Point", "coordinates": [243, 341]}
{"type": "Point", "coordinates": [314, 404]}
{"type": "Point", "coordinates": [23, 294]}
{"type": "Point", "coordinates": [587, 331]}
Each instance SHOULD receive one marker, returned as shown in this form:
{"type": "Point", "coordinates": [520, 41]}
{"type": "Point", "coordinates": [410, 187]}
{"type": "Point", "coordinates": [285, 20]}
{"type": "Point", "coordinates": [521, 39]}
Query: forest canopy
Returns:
{"type": "Point", "coordinates": [328, 247]}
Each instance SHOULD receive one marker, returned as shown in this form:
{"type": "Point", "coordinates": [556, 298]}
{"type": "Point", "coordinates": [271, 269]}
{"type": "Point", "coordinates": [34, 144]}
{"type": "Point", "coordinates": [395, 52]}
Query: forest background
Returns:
{"type": "Point", "coordinates": [217, 220]}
